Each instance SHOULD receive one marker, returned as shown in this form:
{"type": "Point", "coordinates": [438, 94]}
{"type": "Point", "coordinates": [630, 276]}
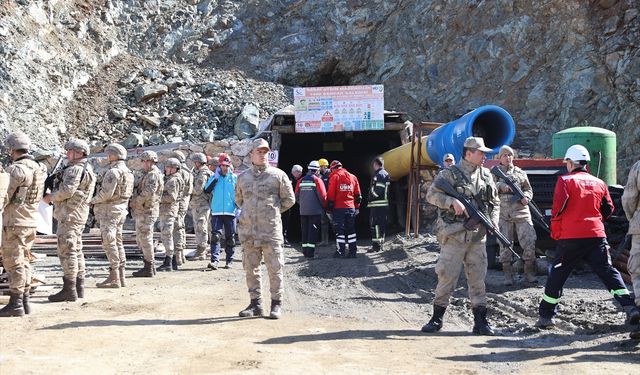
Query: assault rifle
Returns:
{"type": "Point", "coordinates": [476, 217]}
{"type": "Point", "coordinates": [518, 194]}
{"type": "Point", "coordinates": [49, 182]}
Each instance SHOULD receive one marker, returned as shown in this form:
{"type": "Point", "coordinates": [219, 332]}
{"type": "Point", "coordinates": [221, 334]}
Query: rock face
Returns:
{"type": "Point", "coordinates": [552, 65]}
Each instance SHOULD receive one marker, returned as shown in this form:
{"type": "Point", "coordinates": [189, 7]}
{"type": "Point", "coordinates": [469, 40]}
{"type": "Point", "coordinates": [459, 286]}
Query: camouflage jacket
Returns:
{"type": "Point", "coordinates": [631, 199]}
{"type": "Point", "coordinates": [146, 197]}
{"type": "Point", "coordinates": [117, 186]}
{"type": "Point", "coordinates": [170, 200]}
{"type": "Point", "coordinates": [200, 198]}
{"type": "Point", "coordinates": [187, 183]}
{"type": "Point", "coordinates": [262, 193]}
{"type": "Point", "coordinates": [476, 184]}
{"type": "Point", "coordinates": [72, 195]}
{"type": "Point", "coordinates": [24, 193]}
{"type": "Point", "coordinates": [4, 185]}
{"type": "Point", "coordinates": [510, 209]}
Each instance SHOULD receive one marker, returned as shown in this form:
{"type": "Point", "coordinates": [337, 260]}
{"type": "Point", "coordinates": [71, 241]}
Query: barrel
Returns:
{"type": "Point", "coordinates": [601, 144]}
{"type": "Point", "coordinates": [492, 123]}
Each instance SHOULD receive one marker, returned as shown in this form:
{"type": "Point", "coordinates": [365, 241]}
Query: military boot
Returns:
{"type": "Point", "coordinates": [201, 251]}
{"type": "Point", "coordinates": [121, 274]}
{"type": "Point", "coordinates": [80, 286]}
{"type": "Point", "coordinates": [480, 324]}
{"type": "Point", "coordinates": [178, 257]}
{"type": "Point", "coordinates": [112, 281]}
{"type": "Point", "coordinates": [14, 307]}
{"type": "Point", "coordinates": [276, 309]}
{"type": "Point", "coordinates": [530, 271]}
{"type": "Point", "coordinates": [633, 314]}
{"type": "Point", "coordinates": [25, 303]}
{"type": "Point", "coordinates": [145, 271]}
{"type": "Point", "coordinates": [254, 309]}
{"type": "Point", "coordinates": [507, 269]}
{"type": "Point", "coordinates": [153, 266]}
{"type": "Point", "coordinates": [166, 265]}
{"type": "Point", "coordinates": [635, 334]}
{"type": "Point", "coordinates": [68, 292]}
{"type": "Point", "coordinates": [174, 264]}
{"type": "Point", "coordinates": [435, 324]}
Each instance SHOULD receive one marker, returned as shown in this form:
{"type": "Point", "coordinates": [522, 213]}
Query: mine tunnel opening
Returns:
{"type": "Point", "coordinates": [356, 151]}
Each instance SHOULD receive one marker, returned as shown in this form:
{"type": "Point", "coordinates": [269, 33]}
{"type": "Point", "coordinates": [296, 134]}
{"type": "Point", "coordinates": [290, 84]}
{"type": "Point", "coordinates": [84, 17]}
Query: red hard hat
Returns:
{"type": "Point", "coordinates": [335, 164]}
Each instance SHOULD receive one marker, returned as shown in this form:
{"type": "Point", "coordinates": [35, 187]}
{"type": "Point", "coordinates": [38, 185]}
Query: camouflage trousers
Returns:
{"type": "Point", "coordinates": [179, 233]}
{"type": "Point", "coordinates": [526, 237]}
{"type": "Point", "coordinates": [453, 255]}
{"type": "Point", "coordinates": [144, 235]}
{"type": "Point", "coordinates": [201, 224]}
{"type": "Point", "coordinates": [633, 265]}
{"type": "Point", "coordinates": [16, 244]}
{"type": "Point", "coordinates": [111, 233]}
{"type": "Point", "coordinates": [167, 233]}
{"type": "Point", "coordinates": [273, 260]}
{"type": "Point", "coordinates": [70, 249]}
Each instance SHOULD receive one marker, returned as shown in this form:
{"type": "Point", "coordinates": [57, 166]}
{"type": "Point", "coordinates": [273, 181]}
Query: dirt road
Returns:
{"type": "Point", "coordinates": [342, 317]}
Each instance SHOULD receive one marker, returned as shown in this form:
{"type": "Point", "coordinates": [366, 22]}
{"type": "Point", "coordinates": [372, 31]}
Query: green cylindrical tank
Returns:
{"type": "Point", "coordinates": [601, 144]}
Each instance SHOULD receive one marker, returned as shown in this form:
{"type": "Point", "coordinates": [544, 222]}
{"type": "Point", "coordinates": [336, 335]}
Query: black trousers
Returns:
{"type": "Point", "coordinates": [595, 252]}
{"type": "Point", "coordinates": [378, 225]}
{"type": "Point", "coordinates": [310, 225]}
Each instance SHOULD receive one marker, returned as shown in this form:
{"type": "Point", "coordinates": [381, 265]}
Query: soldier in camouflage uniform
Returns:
{"type": "Point", "coordinates": [71, 194]}
{"type": "Point", "coordinates": [4, 185]}
{"type": "Point", "coordinates": [25, 190]}
{"type": "Point", "coordinates": [179, 233]}
{"type": "Point", "coordinates": [263, 193]}
{"type": "Point", "coordinates": [110, 206]}
{"type": "Point", "coordinates": [200, 205]}
{"type": "Point", "coordinates": [631, 206]}
{"type": "Point", "coordinates": [169, 206]}
{"type": "Point", "coordinates": [145, 204]}
{"type": "Point", "coordinates": [516, 215]}
{"type": "Point", "coordinates": [459, 246]}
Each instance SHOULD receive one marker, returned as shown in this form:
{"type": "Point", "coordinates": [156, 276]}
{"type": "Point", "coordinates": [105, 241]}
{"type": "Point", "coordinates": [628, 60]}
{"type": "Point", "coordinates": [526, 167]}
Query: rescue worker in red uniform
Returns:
{"type": "Point", "coordinates": [581, 202]}
{"type": "Point", "coordinates": [312, 198]}
{"type": "Point", "coordinates": [343, 201]}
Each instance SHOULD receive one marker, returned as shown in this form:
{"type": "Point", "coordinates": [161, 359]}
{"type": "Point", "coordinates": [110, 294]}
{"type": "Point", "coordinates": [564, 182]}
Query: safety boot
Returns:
{"type": "Point", "coordinates": [14, 307]}
{"type": "Point", "coordinates": [530, 271]}
{"type": "Point", "coordinates": [201, 251]}
{"type": "Point", "coordinates": [174, 262]}
{"type": "Point", "coordinates": [68, 292]}
{"type": "Point", "coordinates": [480, 324]}
{"type": "Point", "coordinates": [435, 324]}
{"type": "Point", "coordinates": [80, 286]}
{"type": "Point", "coordinates": [145, 271]}
{"type": "Point", "coordinates": [166, 265]}
{"type": "Point", "coordinates": [121, 274]}
{"type": "Point", "coordinates": [545, 323]}
{"type": "Point", "coordinates": [635, 334]}
{"type": "Point", "coordinates": [507, 269]}
{"type": "Point", "coordinates": [375, 247]}
{"type": "Point", "coordinates": [112, 281]}
{"type": "Point", "coordinates": [25, 303]}
{"type": "Point", "coordinates": [633, 314]}
{"type": "Point", "coordinates": [276, 309]}
{"type": "Point", "coordinates": [254, 309]}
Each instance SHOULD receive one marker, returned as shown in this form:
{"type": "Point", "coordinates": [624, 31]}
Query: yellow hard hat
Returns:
{"type": "Point", "coordinates": [323, 162]}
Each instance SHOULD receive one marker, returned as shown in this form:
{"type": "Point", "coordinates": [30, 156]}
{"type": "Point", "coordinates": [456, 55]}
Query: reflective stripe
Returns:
{"type": "Point", "coordinates": [379, 203]}
{"type": "Point", "coordinates": [308, 245]}
{"type": "Point", "coordinates": [382, 185]}
{"type": "Point", "coordinates": [310, 184]}
{"type": "Point", "coordinates": [619, 292]}
{"type": "Point", "coordinates": [551, 300]}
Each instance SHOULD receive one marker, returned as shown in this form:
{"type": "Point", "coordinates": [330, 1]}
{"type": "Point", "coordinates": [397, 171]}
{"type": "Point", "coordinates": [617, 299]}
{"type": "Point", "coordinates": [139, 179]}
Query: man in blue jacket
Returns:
{"type": "Point", "coordinates": [222, 187]}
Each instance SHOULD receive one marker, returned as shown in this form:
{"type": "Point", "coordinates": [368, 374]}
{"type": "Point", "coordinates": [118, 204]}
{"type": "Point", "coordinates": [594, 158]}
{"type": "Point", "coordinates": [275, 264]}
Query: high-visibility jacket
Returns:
{"type": "Point", "coordinates": [311, 195]}
{"type": "Point", "coordinates": [379, 190]}
{"type": "Point", "coordinates": [581, 203]}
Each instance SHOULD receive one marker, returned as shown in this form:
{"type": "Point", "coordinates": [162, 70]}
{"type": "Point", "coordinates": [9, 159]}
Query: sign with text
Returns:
{"type": "Point", "coordinates": [339, 108]}
{"type": "Point", "coordinates": [272, 158]}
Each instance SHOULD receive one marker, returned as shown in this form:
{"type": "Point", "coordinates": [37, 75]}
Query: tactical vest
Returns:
{"type": "Point", "coordinates": [464, 187]}
{"type": "Point", "coordinates": [125, 185]}
{"type": "Point", "coordinates": [32, 193]}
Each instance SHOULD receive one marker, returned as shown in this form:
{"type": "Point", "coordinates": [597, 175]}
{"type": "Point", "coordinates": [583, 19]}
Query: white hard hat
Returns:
{"type": "Point", "coordinates": [577, 153]}
{"type": "Point", "coordinates": [313, 165]}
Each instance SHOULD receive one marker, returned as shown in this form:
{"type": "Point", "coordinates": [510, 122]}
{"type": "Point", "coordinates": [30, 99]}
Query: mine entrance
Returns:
{"type": "Point", "coordinates": [356, 151]}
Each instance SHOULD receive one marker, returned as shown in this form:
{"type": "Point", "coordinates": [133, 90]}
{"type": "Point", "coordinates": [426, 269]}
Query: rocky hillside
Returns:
{"type": "Point", "coordinates": [76, 64]}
